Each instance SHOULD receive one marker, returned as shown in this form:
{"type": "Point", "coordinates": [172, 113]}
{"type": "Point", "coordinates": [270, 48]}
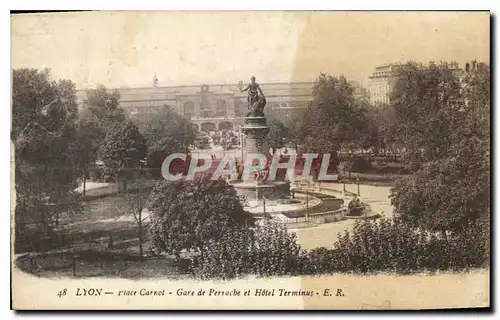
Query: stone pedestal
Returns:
{"type": "Point", "coordinates": [255, 132]}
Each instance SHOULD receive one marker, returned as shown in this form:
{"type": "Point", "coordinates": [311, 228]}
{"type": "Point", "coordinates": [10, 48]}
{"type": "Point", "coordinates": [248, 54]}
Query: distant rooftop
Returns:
{"type": "Point", "coordinates": [144, 86]}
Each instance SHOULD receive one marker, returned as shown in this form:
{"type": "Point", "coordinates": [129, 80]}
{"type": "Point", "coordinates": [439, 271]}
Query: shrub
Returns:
{"type": "Point", "coordinates": [360, 164]}
{"type": "Point", "coordinates": [277, 251]}
{"type": "Point", "coordinates": [101, 174]}
{"type": "Point", "coordinates": [268, 250]}
{"type": "Point", "coordinates": [392, 169]}
{"type": "Point", "coordinates": [387, 245]}
{"type": "Point", "coordinates": [228, 257]}
{"type": "Point", "coordinates": [395, 246]}
{"type": "Point", "coordinates": [317, 261]}
{"type": "Point", "coordinates": [187, 215]}
{"type": "Point", "coordinates": [374, 246]}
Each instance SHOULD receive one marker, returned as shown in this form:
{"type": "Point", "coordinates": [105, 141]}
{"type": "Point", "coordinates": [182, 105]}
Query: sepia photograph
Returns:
{"type": "Point", "coordinates": [270, 160]}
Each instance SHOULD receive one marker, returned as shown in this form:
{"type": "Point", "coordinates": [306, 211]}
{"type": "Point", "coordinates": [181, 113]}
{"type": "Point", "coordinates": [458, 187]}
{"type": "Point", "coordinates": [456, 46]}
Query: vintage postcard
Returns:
{"type": "Point", "coordinates": [250, 160]}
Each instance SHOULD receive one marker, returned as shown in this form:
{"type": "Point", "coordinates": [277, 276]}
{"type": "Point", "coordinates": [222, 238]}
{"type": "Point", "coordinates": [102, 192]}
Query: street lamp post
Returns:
{"type": "Point", "coordinates": [350, 163]}
{"type": "Point", "coordinates": [84, 178]}
{"type": "Point", "coordinates": [357, 180]}
{"type": "Point", "coordinates": [343, 181]}
{"type": "Point", "coordinates": [264, 205]}
{"type": "Point", "coordinates": [257, 191]}
{"type": "Point", "coordinates": [364, 211]}
{"type": "Point", "coordinates": [307, 204]}
{"type": "Point", "coordinates": [241, 144]}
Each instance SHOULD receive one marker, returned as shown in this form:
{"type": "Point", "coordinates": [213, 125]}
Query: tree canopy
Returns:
{"type": "Point", "coordinates": [445, 115]}
{"type": "Point", "coordinates": [278, 134]}
{"type": "Point", "coordinates": [384, 117]}
{"type": "Point", "coordinates": [426, 100]}
{"type": "Point", "coordinates": [336, 119]}
{"type": "Point", "coordinates": [166, 133]}
{"type": "Point", "coordinates": [122, 149]}
{"type": "Point", "coordinates": [47, 157]}
{"type": "Point", "coordinates": [187, 214]}
{"type": "Point", "coordinates": [100, 113]}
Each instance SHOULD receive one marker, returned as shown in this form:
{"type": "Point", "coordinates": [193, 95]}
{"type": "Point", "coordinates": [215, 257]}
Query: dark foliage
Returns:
{"type": "Point", "coordinates": [122, 150]}
{"type": "Point", "coordinates": [101, 112]}
{"type": "Point", "coordinates": [388, 245]}
{"type": "Point", "coordinates": [395, 246]}
{"type": "Point", "coordinates": [335, 120]}
{"type": "Point", "coordinates": [47, 155]}
{"type": "Point", "coordinates": [268, 250]}
{"type": "Point", "coordinates": [187, 215]}
{"type": "Point", "coordinates": [359, 164]}
{"type": "Point", "coordinates": [166, 133]}
{"type": "Point", "coordinates": [446, 124]}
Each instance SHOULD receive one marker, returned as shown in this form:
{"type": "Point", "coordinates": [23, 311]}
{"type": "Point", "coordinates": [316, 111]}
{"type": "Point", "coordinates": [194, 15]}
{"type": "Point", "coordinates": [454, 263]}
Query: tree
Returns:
{"type": "Point", "coordinates": [426, 100]}
{"type": "Point", "coordinates": [166, 133]}
{"type": "Point", "coordinates": [44, 113]}
{"type": "Point", "coordinates": [367, 126]}
{"type": "Point", "coordinates": [384, 117]}
{"type": "Point", "coordinates": [137, 197]}
{"type": "Point", "coordinates": [122, 151]}
{"type": "Point", "coordinates": [104, 105]}
{"type": "Point", "coordinates": [445, 194]}
{"type": "Point", "coordinates": [100, 113]}
{"type": "Point", "coordinates": [335, 119]}
{"type": "Point", "coordinates": [267, 250]}
{"type": "Point", "coordinates": [278, 135]}
{"type": "Point", "coordinates": [188, 214]}
{"type": "Point", "coordinates": [451, 190]}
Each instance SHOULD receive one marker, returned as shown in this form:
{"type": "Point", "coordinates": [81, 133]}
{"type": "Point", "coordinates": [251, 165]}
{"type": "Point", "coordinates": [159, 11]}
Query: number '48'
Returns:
{"type": "Point", "coordinates": [61, 293]}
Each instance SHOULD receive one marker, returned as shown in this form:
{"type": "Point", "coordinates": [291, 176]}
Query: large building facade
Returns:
{"type": "Point", "coordinates": [380, 84]}
{"type": "Point", "coordinates": [381, 81]}
{"type": "Point", "coordinates": [213, 107]}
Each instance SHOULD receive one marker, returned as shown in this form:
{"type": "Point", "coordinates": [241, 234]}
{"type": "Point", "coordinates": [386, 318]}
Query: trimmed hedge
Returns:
{"type": "Point", "coordinates": [387, 245]}
{"type": "Point", "coordinates": [268, 250]}
{"type": "Point", "coordinates": [393, 246]}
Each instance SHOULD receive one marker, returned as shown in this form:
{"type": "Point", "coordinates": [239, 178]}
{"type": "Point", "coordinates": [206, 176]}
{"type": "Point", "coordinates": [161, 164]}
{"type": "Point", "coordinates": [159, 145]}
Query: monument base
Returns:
{"type": "Point", "coordinates": [255, 131]}
{"type": "Point", "coordinates": [272, 191]}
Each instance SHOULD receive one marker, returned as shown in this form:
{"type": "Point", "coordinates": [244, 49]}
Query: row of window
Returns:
{"type": "Point", "coordinates": [240, 108]}
{"type": "Point", "coordinates": [221, 108]}
{"type": "Point", "coordinates": [206, 110]}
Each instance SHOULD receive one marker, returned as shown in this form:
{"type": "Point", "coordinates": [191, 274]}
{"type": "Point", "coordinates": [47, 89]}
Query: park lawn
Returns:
{"type": "Point", "coordinates": [374, 179]}
{"type": "Point", "coordinates": [100, 219]}
{"type": "Point", "coordinates": [111, 208]}
{"type": "Point", "coordinates": [100, 263]}
{"type": "Point", "coordinates": [84, 239]}
{"type": "Point", "coordinates": [105, 190]}
{"type": "Point", "coordinates": [329, 204]}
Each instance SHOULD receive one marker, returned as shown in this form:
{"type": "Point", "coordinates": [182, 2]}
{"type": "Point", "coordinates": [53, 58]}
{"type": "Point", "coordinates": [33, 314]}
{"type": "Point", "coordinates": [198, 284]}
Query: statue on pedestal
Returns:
{"type": "Point", "coordinates": [255, 130]}
{"type": "Point", "coordinates": [256, 99]}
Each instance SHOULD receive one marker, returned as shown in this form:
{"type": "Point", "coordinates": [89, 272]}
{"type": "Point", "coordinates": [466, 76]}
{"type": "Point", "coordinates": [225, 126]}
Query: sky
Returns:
{"type": "Point", "coordinates": [126, 49]}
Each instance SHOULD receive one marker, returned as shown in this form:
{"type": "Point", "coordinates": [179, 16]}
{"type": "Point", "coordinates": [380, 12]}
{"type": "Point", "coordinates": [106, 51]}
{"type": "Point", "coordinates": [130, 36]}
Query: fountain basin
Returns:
{"type": "Point", "coordinates": [270, 190]}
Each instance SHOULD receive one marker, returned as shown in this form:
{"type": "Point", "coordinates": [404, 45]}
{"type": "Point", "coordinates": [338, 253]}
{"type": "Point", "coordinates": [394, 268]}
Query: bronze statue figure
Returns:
{"type": "Point", "coordinates": [256, 99]}
{"type": "Point", "coordinates": [257, 109]}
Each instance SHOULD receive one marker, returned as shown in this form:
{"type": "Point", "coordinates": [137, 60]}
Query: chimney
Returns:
{"type": "Point", "coordinates": [467, 67]}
